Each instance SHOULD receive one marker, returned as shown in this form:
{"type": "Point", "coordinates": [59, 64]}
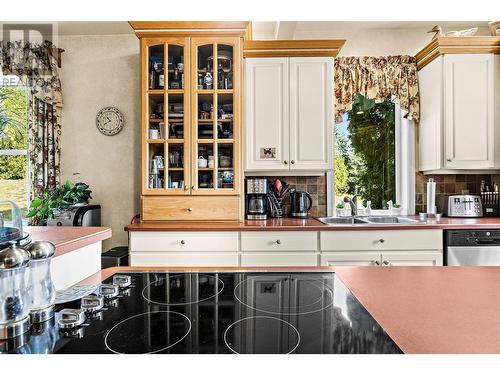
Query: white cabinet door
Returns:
{"type": "Point", "coordinates": [267, 114]}
{"type": "Point", "coordinates": [430, 82]}
{"type": "Point", "coordinates": [311, 113]}
{"type": "Point", "coordinates": [412, 258]}
{"type": "Point", "coordinates": [351, 258]}
{"type": "Point", "coordinates": [278, 259]}
{"type": "Point", "coordinates": [172, 259]}
{"type": "Point", "coordinates": [469, 111]}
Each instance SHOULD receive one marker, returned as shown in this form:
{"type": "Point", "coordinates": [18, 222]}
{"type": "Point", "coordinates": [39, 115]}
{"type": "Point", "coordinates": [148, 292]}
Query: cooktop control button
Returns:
{"type": "Point", "coordinates": [123, 281]}
{"type": "Point", "coordinates": [109, 291]}
{"type": "Point", "coordinates": [71, 318]}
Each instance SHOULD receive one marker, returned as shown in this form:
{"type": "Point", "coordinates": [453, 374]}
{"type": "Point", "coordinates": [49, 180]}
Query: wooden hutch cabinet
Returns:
{"type": "Point", "coordinates": [191, 76]}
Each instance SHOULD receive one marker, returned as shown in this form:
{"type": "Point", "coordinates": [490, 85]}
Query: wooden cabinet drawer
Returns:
{"type": "Point", "coordinates": [278, 259]}
{"type": "Point", "coordinates": [190, 208]}
{"type": "Point", "coordinates": [184, 259]}
{"type": "Point", "coordinates": [421, 239]}
{"type": "Point", "coordinates": [351, 258]}
{"type": "Point", "coordinates": [184, 241]}
{"type": "Point", "coordinates": [279, 241]}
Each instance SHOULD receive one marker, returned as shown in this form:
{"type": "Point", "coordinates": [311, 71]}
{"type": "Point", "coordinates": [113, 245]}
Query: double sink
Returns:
{"type": "Point", "coordinates": [368, 220]}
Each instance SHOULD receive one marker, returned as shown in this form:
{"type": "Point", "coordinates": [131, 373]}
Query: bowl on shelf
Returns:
{"type": "Point", "coordinates": [225, 161]}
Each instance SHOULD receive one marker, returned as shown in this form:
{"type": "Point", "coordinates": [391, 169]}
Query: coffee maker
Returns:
{"type": "Point", "coordinates": [256, 199]}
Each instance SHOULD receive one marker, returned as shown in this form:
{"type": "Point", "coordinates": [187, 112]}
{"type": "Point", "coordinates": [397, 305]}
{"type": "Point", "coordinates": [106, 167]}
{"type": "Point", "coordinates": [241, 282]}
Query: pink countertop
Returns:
{"type": "Point", "coordinates": [67, 239]}
{"type": "Point", "coordinates": [432, 309]}
{"type": "Point", "coordinates": [310, 224]}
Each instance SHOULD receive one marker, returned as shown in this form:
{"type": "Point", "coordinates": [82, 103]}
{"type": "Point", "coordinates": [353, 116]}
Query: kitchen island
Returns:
{"type": "Point", "coordinates": [78, 251]}
{"type": "Point", "coordinates": [423, 309]}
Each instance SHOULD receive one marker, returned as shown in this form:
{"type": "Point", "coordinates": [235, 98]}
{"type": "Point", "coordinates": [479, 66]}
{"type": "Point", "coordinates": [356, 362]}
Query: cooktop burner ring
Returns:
{"type": "Point", "coordinates": [181, 303]}
{"type": "Point", "coordinates": [295, 330]}
{"type": "Point", "coordinates": [289, 313]}
{"type": "Point", "coordinates": [148, 313]}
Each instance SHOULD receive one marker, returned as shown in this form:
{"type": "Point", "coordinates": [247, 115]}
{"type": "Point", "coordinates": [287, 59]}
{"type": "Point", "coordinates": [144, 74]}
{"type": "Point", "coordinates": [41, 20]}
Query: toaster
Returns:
{"type": "Point", "coordinates": [464, 206]}
{"type": "Point", "coordinates": [77, 216]}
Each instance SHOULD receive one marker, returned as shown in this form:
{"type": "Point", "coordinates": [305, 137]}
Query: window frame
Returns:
{"type": "Point", "coordinates": [405, 167]}
{"type": "Point", "coordinates": [17, 152]}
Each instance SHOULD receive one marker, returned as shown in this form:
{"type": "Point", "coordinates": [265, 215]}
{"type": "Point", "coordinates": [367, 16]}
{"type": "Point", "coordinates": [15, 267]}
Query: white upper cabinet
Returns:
{"type": "Point", "coordinates": [458, 129]}
{"type": "Point", "coordinates": [288, 113]}
{"type": "Point", "coordinates": [311, 112]}
{"type": "Point", "coordinates": [266, 114]}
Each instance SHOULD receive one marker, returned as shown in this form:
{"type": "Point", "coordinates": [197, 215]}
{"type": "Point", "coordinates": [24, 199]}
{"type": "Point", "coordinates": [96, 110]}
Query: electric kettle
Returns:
{"type": "Point", "coordinates": [301, 203]}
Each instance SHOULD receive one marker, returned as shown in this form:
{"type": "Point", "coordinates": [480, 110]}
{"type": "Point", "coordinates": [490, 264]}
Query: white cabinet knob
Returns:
{"type": "Point", "coordinates": [376, 262]}
{"type": "Point", "coordinates": [183, 242]}
{"type": "Point", "coordinates": [278, 242]}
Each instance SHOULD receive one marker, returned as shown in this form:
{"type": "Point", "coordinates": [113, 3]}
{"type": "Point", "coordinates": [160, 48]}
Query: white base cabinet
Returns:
{"type": "Point", "coordinates": [289, 248]}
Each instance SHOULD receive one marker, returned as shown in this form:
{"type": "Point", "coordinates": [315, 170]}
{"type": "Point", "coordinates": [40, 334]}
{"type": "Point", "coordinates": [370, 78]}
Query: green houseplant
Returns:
{"type": "Point", "coordinates": [69, 194]}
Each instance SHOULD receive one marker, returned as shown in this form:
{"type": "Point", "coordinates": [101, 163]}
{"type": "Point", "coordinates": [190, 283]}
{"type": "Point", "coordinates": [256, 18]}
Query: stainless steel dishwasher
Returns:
{"type": "Point", "coordinates": [472, 248]}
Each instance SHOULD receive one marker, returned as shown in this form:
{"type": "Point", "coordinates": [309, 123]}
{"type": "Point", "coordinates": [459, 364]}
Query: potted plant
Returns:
{"type": "Point", "coordinates": [48, 203]}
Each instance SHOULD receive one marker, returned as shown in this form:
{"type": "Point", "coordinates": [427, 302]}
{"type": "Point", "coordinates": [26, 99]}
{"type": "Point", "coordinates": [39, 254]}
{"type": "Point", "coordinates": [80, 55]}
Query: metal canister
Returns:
{"type": "Point", "coordinates": [15, 294]}
{"type": "Point", "coordinates": [43, 293]}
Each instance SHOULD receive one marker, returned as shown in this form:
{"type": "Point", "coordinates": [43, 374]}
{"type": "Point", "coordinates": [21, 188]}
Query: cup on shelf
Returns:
{"type": "Point", "coordinates": [202, 162]}
{"type": "Point", "coordinates": [154, 134]}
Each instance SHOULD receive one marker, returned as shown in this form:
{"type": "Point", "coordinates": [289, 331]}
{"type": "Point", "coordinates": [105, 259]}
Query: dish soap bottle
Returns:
{"type": "Point", "coordinates": [368, 209]}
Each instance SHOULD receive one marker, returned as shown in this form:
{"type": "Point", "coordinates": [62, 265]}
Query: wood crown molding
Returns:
{"type": "Point", "coordinates": [283, 48]}
{"type": "Point", "coordinates": [453, 45]}
{"type": "Point", "coordinates": [157, 29]}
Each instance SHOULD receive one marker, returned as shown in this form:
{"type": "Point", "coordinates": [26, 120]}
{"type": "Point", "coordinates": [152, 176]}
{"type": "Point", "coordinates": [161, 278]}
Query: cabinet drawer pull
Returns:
{"type": "Point", "coordinates": [376, 262]}
{"type": "Point", "coordinates": [186, 187]}
{"type": "Point", "coordinates": [285, 162]}
{"type": "Point", "coordinates": [190, 209]}
{"type": "Point", "coordinates": [183, 242]}
{"type": "Point", "coordinates": [381, 240]}
{"type": "Point", "coordinates": [278, 242]}
{"type": "Point", "coordinates": [449, 160]}
{"type": "Point", "coordinates": [386, 263]}
{"type": "Point", "coordinates": [193, 187]}
{"type": "Point", "coordinates": [292, 162]}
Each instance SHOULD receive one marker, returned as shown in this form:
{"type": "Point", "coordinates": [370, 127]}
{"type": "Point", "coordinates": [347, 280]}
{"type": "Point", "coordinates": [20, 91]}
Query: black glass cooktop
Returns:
{"type": "Point", "coordinates": [275, 313]}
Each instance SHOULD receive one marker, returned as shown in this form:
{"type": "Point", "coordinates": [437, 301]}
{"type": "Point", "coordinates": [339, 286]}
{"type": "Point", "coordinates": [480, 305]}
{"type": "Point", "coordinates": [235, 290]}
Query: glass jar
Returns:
{"type": "Point", "coordinates": [43, 293]}
{"type": "Point", "coordinates": [15, 296]}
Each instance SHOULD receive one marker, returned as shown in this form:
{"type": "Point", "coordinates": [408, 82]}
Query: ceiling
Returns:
{"type": "Point", "coordinates": [268, 29]}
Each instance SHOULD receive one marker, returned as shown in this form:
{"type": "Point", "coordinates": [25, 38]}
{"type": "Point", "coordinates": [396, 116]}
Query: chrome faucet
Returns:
{"type": "Point", "coordinates": [352, 203]}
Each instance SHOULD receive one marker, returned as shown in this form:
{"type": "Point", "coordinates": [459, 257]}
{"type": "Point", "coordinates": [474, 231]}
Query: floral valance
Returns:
{"type": "Point", "coordinates": [36, 66]}
{"type": "Point", "coordinates": [377, 78]}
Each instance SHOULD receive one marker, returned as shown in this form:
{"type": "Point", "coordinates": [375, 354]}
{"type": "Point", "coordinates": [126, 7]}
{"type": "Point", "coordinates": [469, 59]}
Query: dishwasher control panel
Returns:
{"type": "Point", "coordinates": [483, 237]}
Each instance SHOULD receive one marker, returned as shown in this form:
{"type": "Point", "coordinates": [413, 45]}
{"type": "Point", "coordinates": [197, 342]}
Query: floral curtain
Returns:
{"type": "Point", "coordinates": [377, 78]}
{"type": "Point", "coordinates": [36, 66]}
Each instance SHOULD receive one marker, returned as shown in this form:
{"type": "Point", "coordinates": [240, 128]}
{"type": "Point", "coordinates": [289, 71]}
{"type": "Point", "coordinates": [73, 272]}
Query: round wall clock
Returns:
{"type": "Point", "coordinates": [109, 121]}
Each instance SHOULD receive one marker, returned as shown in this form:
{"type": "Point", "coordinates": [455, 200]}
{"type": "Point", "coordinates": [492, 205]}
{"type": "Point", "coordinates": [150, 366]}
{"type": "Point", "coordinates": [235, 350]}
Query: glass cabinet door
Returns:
{"type": "Point", "coordinates": [214, 110]}
{"type": "Point", "coordinates": [166, 116]}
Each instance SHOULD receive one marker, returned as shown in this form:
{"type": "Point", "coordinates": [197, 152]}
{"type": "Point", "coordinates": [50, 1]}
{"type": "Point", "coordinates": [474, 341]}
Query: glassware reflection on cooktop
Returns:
{"type": "Point", "coordinates": [182, 289]}
{"type": "Point", "coordinates": [166, 329]}
{"type": "Point", "coordinates": [224, 312]}
{"type": "Point", "coordinates": [262, 335]}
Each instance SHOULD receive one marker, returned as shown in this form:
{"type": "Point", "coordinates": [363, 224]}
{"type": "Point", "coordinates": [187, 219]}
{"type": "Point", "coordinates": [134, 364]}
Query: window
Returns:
{"type": "Point", "coordinates": [14, 180]}
{"type": "Point", "coordinates": [374, 155]}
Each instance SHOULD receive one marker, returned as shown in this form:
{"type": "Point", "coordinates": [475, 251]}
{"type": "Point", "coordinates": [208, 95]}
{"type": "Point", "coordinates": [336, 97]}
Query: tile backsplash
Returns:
{"type": "Point", "coordinates": [447, 184]}
{"type": "Point", "coordinates": [314, 185]}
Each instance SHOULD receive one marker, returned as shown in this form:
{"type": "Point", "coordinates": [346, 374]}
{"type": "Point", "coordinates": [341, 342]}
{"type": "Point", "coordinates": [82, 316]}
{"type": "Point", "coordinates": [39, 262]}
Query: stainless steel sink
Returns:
{"type": "Point", "coordinates": [341, 220]}
{"type": "Point", "coordinates": [390, 220]}
{"type": "Point", "coordinates": [367, 220]}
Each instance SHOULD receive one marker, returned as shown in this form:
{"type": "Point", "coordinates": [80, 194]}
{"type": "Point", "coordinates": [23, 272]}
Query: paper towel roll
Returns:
{"type": "Point", "coordinates": [431, 196]}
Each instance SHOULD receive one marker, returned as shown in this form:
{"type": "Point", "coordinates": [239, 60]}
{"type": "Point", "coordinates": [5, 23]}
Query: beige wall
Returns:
{"type": "Point", "coordinates": [371, 41]}
{"type": "Point", "coordinates": [100, 71]}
